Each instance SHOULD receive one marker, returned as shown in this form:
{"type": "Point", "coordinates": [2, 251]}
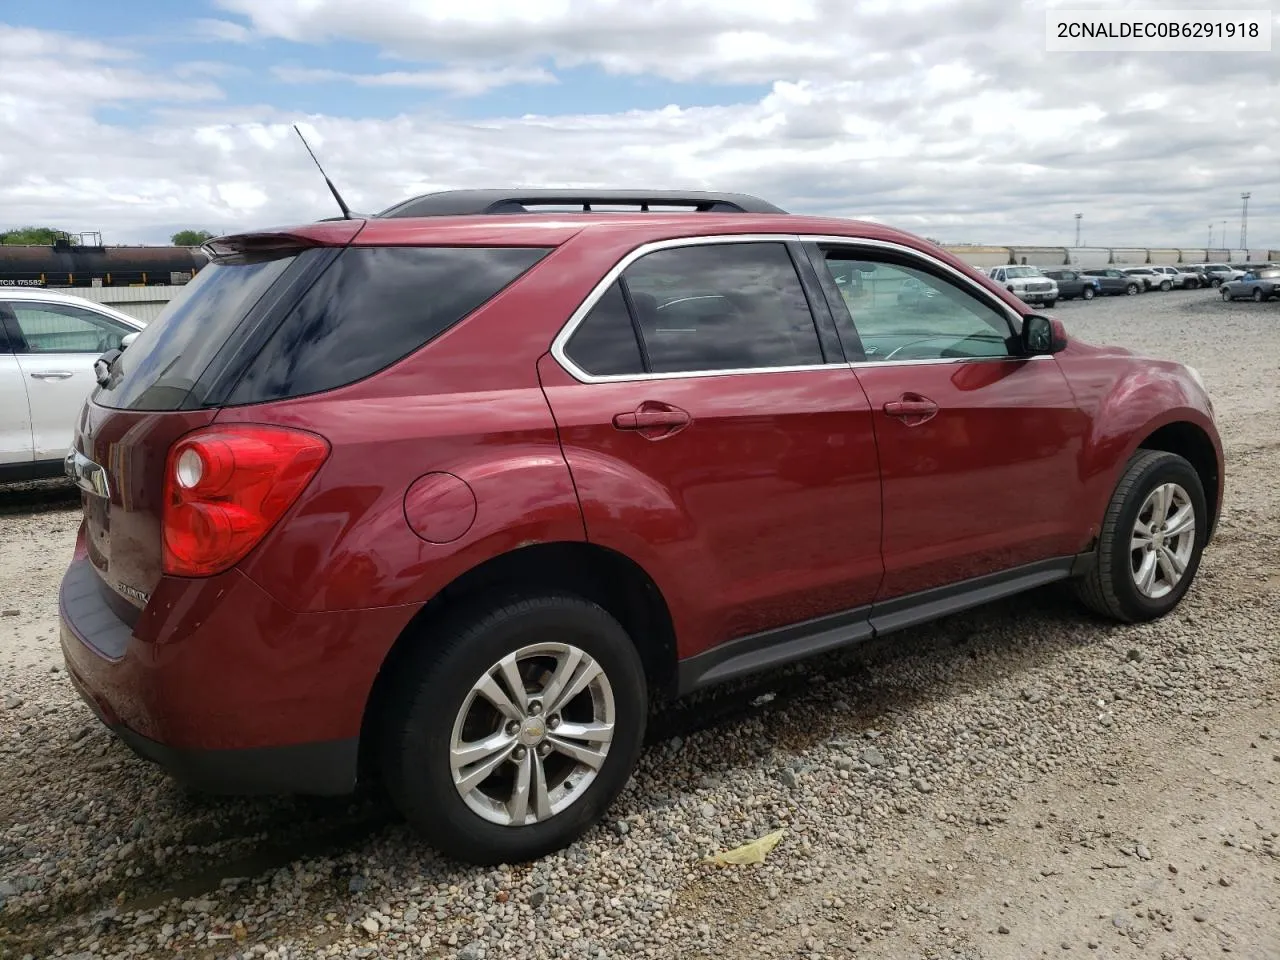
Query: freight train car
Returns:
{"type": "Point", "coordinates": [65, 264]}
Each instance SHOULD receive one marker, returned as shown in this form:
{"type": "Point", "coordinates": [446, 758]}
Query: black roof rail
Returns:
{"type": "Point", "coordinates": [454, 203]}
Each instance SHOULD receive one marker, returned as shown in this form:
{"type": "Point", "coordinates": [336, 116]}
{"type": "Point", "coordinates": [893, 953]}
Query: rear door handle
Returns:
{"type": "Point", "coordinates": [911, 408]}
{"type": "Point", "coordinates": [653, 419]}
{"type": "Point", "coordinates": [51, 374]}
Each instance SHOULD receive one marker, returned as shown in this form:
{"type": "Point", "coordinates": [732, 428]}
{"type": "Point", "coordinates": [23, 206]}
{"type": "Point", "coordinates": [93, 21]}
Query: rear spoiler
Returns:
{"type": "Point", "coordinates": [282, 240]}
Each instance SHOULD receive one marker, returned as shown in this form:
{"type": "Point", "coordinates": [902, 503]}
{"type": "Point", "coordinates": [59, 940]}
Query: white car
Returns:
{"type": "Point", "coordinates": [1026, 283]}
{"type": "Point", "coordinates": [1181, 279]}
{"type": "Point", "coordinates": [48, 344]}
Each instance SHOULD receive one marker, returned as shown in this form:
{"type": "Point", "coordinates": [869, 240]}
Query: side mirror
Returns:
{"type": "Point", "coordinates": [128, 339]}
{"type": "Point", "coordinates": [1042, 335]}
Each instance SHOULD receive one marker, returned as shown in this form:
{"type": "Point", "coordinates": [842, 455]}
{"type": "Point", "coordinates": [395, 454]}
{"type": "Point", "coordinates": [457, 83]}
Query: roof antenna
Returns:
{"type": "Point", "coordinates": [342, 204]}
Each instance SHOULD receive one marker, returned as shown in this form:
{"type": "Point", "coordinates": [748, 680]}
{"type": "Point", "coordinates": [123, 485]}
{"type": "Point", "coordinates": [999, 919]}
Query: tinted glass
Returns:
{"type": "Point", "coordinates": [726, 306]}
{"type": "Point", "coordinates": [160, 367]}
{"type": "Point", "coordinates": [61, 328]}
{"type": "Point", "coordinates": [904, 313]}
{"type": "Point", "coordinates": [370, 308]}
{"type": "Point", "coordinates": [605, 342]}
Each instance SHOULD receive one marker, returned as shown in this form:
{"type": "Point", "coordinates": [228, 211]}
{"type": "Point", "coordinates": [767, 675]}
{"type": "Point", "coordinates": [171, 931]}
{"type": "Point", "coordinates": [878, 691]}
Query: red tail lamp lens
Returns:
{"type": "Point", "coordinates": [225, 487]}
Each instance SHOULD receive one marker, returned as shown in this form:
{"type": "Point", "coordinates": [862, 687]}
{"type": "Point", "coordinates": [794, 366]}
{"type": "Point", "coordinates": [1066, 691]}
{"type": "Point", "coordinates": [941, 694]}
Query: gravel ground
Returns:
{"type": "Point", "coordinates": [1015, 782]}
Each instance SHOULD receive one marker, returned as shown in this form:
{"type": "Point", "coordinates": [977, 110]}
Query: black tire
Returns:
{"type": "Point", "coordinates": [1050, 304]}
{"type": "Point", "coordinates": [1132, 290]}
{"type": "Point", "coordinates": [429, 692]}
{"type": "Point", "coordinates": [1215, 282]}
{"type": "Point", "coordinates": [1257, 295]}
{"type": "Point", "coordinates": [1108, 588]}
{"type": "Point", "coordinates": [1166, 285]}
{"type": "Point", "coordinates": [1226, 294]}
{"type": "Point", "coordinates": [1087, 293]}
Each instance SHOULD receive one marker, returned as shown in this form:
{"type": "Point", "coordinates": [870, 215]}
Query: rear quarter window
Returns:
{"type": "Point", "coordinates": [372, 307]}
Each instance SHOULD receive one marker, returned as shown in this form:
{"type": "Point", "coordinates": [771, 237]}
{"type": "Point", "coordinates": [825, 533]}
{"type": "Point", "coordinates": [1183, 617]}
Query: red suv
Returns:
{"type": "Point", "coordinates": [447, 494]}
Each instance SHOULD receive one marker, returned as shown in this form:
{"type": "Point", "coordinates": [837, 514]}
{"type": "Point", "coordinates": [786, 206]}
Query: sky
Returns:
{"type": "Point", "coordinates": [946, 118]}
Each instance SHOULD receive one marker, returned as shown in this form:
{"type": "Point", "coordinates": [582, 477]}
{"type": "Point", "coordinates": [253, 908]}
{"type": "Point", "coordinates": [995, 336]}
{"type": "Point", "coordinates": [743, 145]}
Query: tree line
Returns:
{"type": "Point", "coordinates": [44, 236]}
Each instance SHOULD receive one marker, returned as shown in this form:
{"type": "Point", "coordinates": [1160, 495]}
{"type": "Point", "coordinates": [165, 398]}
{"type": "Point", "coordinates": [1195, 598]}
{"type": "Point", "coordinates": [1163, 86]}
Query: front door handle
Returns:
{"type": "Point", "coordinates": [911, 408]}
{"type": "Point", "coordinates": [51, 374]}
{"type": "Point", "coordinates": [653, 420]}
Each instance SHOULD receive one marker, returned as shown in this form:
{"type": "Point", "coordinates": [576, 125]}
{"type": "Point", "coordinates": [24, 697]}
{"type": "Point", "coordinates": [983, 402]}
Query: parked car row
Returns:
{"type": "Point", "coordinates": [1046, 286]}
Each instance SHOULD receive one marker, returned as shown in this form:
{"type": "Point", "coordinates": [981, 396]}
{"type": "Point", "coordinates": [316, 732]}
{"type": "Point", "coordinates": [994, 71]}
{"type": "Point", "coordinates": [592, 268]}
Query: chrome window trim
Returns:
{"type": "Point", "coordinates": [561, 340]}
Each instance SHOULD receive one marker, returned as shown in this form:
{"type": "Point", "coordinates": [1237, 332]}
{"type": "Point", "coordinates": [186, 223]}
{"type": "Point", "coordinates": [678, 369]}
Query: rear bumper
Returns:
{"type": "Point", "coordinates": [222, 686]}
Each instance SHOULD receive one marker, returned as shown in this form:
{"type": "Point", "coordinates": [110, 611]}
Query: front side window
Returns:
{"type": "Point", "coordinates": [62, 328]}
{"type": "Point", "coordinates": [907, 313]}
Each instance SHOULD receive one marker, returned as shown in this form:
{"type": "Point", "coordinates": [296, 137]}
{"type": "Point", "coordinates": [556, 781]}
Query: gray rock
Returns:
{"type": "Point", "coordinates": [708, 811]}
{"type": "Point", "coordinates": [370, 926]}
{"type": "Point", "coordinates": [471, 951]}
{"type": "Point", "coordinates": [13, 703]}
{"type": "Point", "coordinates": [872, 757]}
{"type": "Point", "coordinates": [1002, 929]}
{"type": "Point", "coordinates": [357, 883]}
{"type": "Point", "coordinates": [538, 897]}
{"type": "Point", "coordinates": [788, 777]}
{"type": "Point", "coordinates": [411, 916]}
{"type": "Point", "coordinates": [843, 763]}
{"type": "Point", "coordinates": [1143, 852]}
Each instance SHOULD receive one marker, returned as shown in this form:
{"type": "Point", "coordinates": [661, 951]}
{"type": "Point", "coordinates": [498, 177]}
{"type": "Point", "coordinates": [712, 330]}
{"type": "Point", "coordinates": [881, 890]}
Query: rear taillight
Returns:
{"type": "Point", "coordinates": [225, 487]}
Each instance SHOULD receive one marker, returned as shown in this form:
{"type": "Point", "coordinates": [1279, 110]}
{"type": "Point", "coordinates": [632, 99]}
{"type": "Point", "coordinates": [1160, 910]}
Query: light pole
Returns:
{"type": "Point", "coordinates": [1078, 216]}
{"type": "Point", "coordinates": [1224, 238]}
{"type": "Point", "coordinates": [1211, 234]}
{"type": "Point", "coordinates": [1244, 223]}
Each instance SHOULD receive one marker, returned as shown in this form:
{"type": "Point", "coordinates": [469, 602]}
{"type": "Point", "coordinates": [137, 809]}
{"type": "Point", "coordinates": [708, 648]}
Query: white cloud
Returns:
{"type": "Point", "coordinates": [462, 81]}
{"type": "Point", "coordinates": [947, 118]}
{"type": "Point", "coordinates": [224, 31]}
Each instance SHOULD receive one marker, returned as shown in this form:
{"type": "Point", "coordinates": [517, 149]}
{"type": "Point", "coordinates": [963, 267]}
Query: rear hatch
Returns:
{"type": "Point", "coordinates": [167, 384]}
{"type": "Point", "coordinates": [274, 316]}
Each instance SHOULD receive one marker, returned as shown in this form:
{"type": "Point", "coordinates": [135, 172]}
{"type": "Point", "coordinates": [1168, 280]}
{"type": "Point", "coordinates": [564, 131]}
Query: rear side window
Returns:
{"type": "Point", "coordinates": [605, 342]}
{"type": "Point", "coordinates": [164, 362]}
{"type": "Point", "coordinates": [372, 307]}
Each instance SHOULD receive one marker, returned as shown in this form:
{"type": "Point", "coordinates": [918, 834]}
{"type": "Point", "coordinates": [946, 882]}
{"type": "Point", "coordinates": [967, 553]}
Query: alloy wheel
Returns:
{"type": "Point", "coordinates": [1162, 541]}
{"type": "Point", "coordinates": [532, 734]}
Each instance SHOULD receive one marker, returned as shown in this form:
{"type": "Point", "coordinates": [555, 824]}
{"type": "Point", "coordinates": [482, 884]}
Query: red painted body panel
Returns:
{"type": "Point", "coordinates": [1124, 399]}
{"type": "Point", "coordinates": [217, 664]}
{"type": "Point", "coordinates": [989, 483]}
{"type": "Point", "coordinates": [764, 511]}
{"type": "Point", "coordinates": [774, 505]}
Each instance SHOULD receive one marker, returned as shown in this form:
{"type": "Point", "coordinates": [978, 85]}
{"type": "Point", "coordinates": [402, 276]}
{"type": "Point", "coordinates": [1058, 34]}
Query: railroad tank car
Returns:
{"type": "Point", "coordinates": [77, 265]}
{"type": "Point", "coordinates": [1039, 256]}
{"type": "Point", "coordinates": [979, 256]}
{"type": "Point", "coordinates": [1089, 258]}
{"type": "Point", "coordinates": [1163, 256]}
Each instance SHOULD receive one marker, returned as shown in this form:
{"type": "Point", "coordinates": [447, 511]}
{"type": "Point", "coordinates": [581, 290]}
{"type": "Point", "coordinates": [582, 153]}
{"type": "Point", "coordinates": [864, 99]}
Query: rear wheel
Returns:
{"type": "Point", "coordinates": [1257, 295]}
{"type": "Point", "coordinates": [1151, 540]}
{"type": "Point", "coordinates": [511, 730]}
{"type": "Point", "coordinates": [1166, 285]}
{"type": "Point", "coordinates": [1215, 282]}
{"type": "Point", "coordinates": [1087, 293]}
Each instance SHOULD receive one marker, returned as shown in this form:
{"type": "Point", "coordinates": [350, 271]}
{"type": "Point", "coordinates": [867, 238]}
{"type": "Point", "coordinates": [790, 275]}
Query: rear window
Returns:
{"type": "Point", "coordinates": [162, 365]}
{"type": "Point", "coordinates": [372, 307]}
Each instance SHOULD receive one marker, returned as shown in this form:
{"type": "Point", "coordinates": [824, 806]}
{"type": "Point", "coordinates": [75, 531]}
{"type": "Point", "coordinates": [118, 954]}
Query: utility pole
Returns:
{"type": "Point", "coordinates": [1211, 234]}
{"type": "Point", "coordinates": [1078, 216]}
{"type": "Point", "coordinates": [1244, 223]}
{"type": "Point", "coordinates": [1224, 239]}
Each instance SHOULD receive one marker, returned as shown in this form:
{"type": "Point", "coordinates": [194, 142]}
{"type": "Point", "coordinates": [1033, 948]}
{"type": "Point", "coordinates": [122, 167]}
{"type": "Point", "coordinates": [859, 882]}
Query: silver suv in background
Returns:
{"type": "Point", "coordinates": [1220, 273]}
{"type": "Point", "coordinates": [1181, 279]}
{"type": "Point", "coordinates": [1026, 283]}
{"type": "Point", "coordinates": [1150, 278]}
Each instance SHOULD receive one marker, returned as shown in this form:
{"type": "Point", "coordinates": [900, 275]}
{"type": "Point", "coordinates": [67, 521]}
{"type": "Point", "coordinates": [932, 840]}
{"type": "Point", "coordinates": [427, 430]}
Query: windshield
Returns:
{"type": "Point", "coordinates": [1013, 272]}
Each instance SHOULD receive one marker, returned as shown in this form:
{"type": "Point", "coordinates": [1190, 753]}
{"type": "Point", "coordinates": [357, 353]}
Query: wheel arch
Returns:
{"type": "Point", "coordinates": [1191, 442]}
{"type": "Point", "coordinates": [606, 577]}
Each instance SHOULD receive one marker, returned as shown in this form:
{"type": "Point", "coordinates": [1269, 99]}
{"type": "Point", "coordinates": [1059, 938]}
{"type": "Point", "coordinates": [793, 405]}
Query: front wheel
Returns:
{"type": "Point", "coordinates": [1131, 289]}
{"type": "Point", "coordinates": [1257, 295]}
{"type": "Point", "coordinates": [1151, 540]}
{"type": "Point", "coordinates": [1215, 282]}
{"type": "Point", "coordinates": [1166, 285]}
{"type": "Point", "coordinates": [1226, 294]}
{"type": "Point", "coordinates": [1087, 293]}
{"type": "Point", "coordinates": [1050, 304]}
{"type": "Point", "coordinates": [511, 729]}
